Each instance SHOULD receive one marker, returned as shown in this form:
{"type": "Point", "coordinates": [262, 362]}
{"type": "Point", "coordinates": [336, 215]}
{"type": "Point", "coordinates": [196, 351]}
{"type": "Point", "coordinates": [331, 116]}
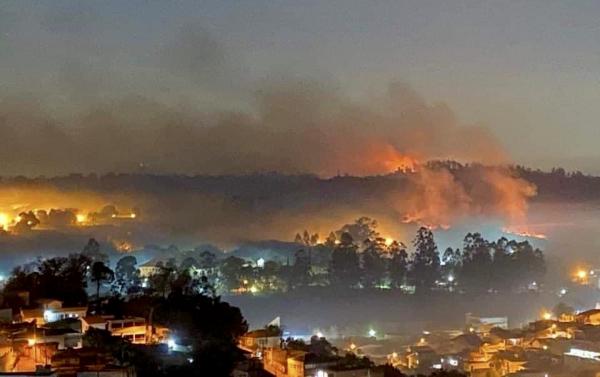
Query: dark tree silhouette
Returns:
{"type": "Point", "coordinates": [373, 263]}
{"type": "Point", "coordinates": [126, 272]}
{"type": "Point", "coordinates": [397, 264]}
{"type": "Point", "coordinates": [426, 261]}
{"type": "Point", "coordinates": [344, 268]}
{"type": "Point", "coordinates": [100, 273]}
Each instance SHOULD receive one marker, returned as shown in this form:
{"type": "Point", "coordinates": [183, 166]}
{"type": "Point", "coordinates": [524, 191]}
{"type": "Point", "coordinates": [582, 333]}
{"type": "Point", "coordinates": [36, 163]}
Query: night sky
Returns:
{"type": "Point", "coordinates": [526, 70]}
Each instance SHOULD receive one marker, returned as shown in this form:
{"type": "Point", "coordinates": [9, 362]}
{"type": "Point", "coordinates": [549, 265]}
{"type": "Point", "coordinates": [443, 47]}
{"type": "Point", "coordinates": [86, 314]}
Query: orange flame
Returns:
{"type": "Point", "coordinates": [524, 233]}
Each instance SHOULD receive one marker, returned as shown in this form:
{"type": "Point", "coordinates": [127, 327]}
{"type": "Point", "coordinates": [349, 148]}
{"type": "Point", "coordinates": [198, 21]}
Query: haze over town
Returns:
{"type": "Point", "coordinates": [404, 186]}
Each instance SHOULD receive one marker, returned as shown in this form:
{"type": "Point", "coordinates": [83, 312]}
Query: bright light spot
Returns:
{"type": "Point", "coordinates": [245, 282]}
{"type": "Point", "coordinates": [4, 220]}
{"type": "Point", "coordinates": [471, 329]}
{"type": "Point", "coordinates": [395, 355]}
{"type": "Point", "coordinates": [321, 373]}
{"type": "Point", "coordinates": [47, 314]}
{"type": "Point", "coordinates": [2, 277]}
{"type": "Point", "coordinates": [113, 215]}
{"type": "Point", "coordinates": [581, 274]}
{"type": "Point", "coordinates": [80, 217]}
{"type": "Point", "coordinates": [133, 215]}
{"type": "Point", "coordinates": [319, 334]}
{"type": "Point", "coordinates": [452, 362]}
{"type": "Point", "coordinates": [545, 347]}
{"type": "Point", "coordinates": [563, 291]}
{"type": "Point", "coordinates": [190, 360]}
{"type": "Point", "coordinates": [372, 333]}
{"type": "Point", "coordinates": [30, 342]}
{"type": "Point", "coordinates": [352, 346]}
{"type": "Point", "coordinates": [260, 263]}
{"type": "Point", "coordinates": [450, 278]}
{"type": "Point", "coordinates": [547, 316]}
{"type": "Point", "coordinates": [253, 289]}
{"type": "Point", "coordinates": [389, 241]}
{"type": "Point", "coordinates": [171, 343]}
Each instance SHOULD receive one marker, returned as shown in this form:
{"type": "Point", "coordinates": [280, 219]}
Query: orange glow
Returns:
{"type": "Point", "coordinates": [81, 218]}
{"type": "Point", "coordinates": [4, 221]}
{"type": "Point", "coordinates": [394, 161]}
{"type": "Point", "coordinates": [524, 233]}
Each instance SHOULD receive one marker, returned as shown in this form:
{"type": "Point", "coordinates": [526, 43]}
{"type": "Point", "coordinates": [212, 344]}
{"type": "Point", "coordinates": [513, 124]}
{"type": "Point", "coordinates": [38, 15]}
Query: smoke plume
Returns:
{"type": "Point", "coordinates": [191, 107]}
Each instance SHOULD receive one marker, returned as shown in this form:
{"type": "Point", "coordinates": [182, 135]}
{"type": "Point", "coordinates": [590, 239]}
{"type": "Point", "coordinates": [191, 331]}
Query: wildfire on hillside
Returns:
{"type": "Point", "coordinates": [524, 232]}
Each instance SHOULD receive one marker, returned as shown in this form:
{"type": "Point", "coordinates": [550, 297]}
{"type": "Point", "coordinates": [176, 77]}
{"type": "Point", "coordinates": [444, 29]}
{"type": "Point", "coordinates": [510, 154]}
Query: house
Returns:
{"type": "Point", "coordinates": [295, 363]}
{"type": "Point", "coordinates": [508, 362]}
{"type": "Point", "coordinates": [583, 357]}
{"type": "Point", "coordinates": [50, 310]}
{"type": "Point", "coordinates": [61, 338]}
{"type": "Point", "coordinates": [133, 329]}
{"type": "Point", "coordinates": [257, 340]}
{"type": "Point", "coordinates": [252, 367]}
{"type": "Point", "coordinates": [98, 322]}
{"type": "Point", "coordinates": [589, 317]}
{"type": "Point", "coordinates": [511, 338]}
{"type": "Point", "coordinates": [152, 267]}
{"type": "Point", "coordinates": [421, 357]}
{"type": "Point", "coordinates": [88, 362]}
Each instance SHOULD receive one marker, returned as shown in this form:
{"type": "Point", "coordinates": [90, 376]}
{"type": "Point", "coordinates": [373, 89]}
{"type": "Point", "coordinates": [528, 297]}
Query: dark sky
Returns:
{"type": "Point", "coordinates": [528, 71]}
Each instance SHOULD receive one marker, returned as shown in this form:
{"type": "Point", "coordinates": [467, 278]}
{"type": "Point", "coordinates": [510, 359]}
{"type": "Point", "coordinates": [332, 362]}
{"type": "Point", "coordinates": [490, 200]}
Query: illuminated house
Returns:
{"type": "Point", "coordinates": [257, 340]}
{"type": "Point", "coordinates": [60, 338]}
{"type": "Point", "coordinates": [152, 267]}
{"type": "Point", "coordinates": [509, 362]}
{"type": "Point", "coordinates": [133, 329]}
{"type": "Point", "coordinates": [583, 356]}
{"type": "Point", "coordinates": [50, 310]}
{"type": "Point", "coordinates": [589, 317]}
{"type": "Point", "coordinates": [89, 362]}
{"type": "Point", "coordinates": [295, 363]}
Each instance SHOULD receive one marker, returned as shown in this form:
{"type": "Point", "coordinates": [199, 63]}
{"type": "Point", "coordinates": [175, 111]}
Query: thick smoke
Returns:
{"type": "Point", "coordinates": [197, 116]}
{"type": "Point", "coordinates": [297, 128]}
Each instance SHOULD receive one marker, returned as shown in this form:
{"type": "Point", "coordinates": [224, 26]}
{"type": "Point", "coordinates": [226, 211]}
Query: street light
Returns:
{"type": "Point", "coordinates": [372, 333]}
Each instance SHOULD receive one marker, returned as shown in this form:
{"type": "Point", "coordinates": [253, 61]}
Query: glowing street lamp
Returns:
{"type": "Point", "coordinates": [372, 333]}
{"type": "Point", "coordinates": [547, 316]}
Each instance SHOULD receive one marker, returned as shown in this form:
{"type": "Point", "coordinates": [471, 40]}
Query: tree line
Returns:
{"type": "Point", "coordinates": [341, 262]}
